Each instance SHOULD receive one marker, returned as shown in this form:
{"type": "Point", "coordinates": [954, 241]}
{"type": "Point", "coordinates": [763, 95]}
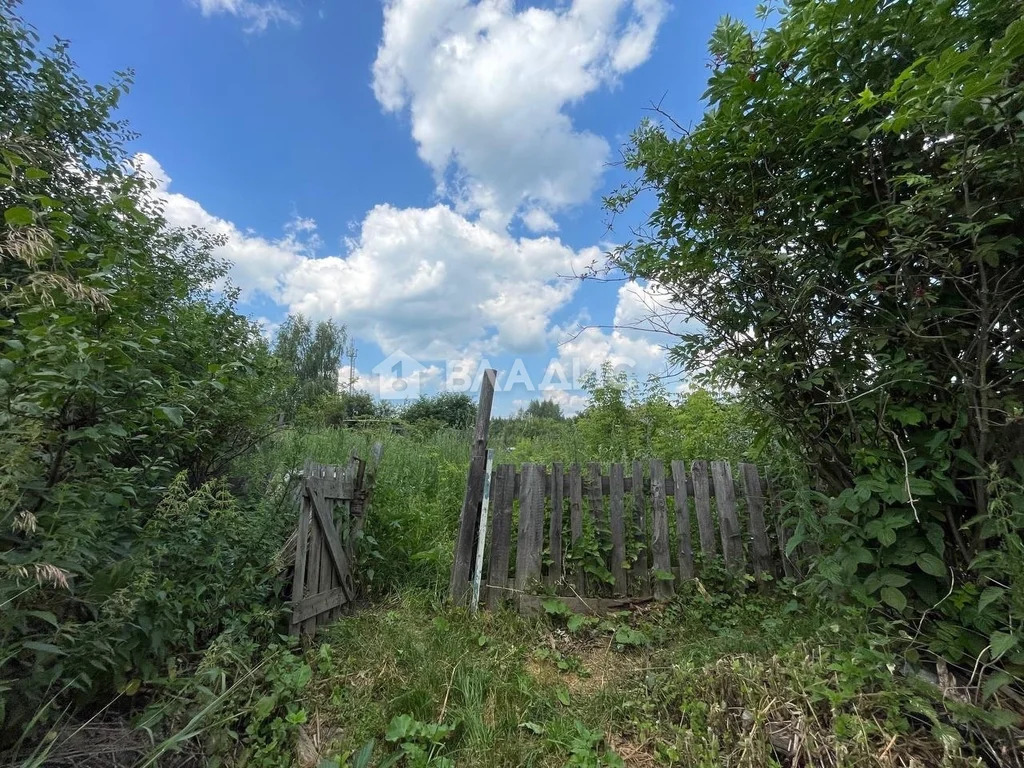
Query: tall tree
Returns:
{"type": "Point", "coordinates": [846, 222]}
{"type": "Point", "coordinates": [544, 409]}
{"type": "Point", "coordinates": [313, 356]}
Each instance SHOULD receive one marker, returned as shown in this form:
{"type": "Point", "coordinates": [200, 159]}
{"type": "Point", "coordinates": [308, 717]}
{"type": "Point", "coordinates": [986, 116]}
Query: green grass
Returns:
{"type": "Point", "coordinates": [721, 676]}
{"type": "Point", "coordinates": [705, 680]}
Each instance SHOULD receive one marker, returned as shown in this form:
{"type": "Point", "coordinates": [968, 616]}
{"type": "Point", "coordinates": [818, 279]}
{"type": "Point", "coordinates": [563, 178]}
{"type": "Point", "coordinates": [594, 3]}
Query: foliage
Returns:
{"type": "Point", "coordinates": [627, 420]}
{"type": "Point", "coordinates": [345, 409]}
{"type": "Point", "coordinates": [543, 409]}
{"type": "Point", "coordinates": [311, 355]}
{"type": "Point", "coordinates": [410, 529]}
{"type": "Point", "coordinates": [721, 680]}
{"type": "Point", "coordinates": [451, 410]}
{"type": "Point", "coordinates": [845, 222]}
{"type": "Point", "coordinates": [120, 369]}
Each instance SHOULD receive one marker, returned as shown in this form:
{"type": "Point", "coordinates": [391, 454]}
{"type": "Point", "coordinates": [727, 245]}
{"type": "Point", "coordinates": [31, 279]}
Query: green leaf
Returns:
{"type": "Point", "coordinates": [170, 413]}
{"type": "Point", "coordinates": [43, 647]}
{"type": "Point", "coordinates": [988, 596]}
{"type": "Point", "coordinates": [46, 616]}
{"type": "Point", "coordinates": [994, 682]}
{"type": "Point", "coordinates": [931, 565]}
{"type": "Point", "coordinates": [19, 216]}
{"type": "Point", "coordinates": [362, 758]}
{"type": "Point", "coordinates": [563, 695]}
{"type": "Point", "coordinates": [1001, 642]}
{"type": "Point", "coordinates": [555, 607]}
{"type": "Point", "coordinates": [893, 597]}
{"type": "Point", "coordinates": [886, 537]}
{"type": "Point", "coordinates": [36, 173]}
{"type": "Point", "coordinates": [576, 622]}
{"type": "Point", "coordinates": [908, 415]}
{"type": "Point", "coordinates": [401, 727]}
{"type": "Point", "coordinates": [795, 541]}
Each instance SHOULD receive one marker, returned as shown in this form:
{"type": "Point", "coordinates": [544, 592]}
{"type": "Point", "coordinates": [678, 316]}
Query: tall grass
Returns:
{"type": "Point", "coordinates": [411, 525]}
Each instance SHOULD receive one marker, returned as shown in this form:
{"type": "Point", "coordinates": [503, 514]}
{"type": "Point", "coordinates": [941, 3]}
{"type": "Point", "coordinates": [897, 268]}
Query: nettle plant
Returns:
{"type": "Point", "coordinates": [846, 223]}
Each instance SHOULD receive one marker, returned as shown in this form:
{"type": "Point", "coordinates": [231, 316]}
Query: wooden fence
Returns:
{"type": "Point", "coordinates": [599, 538]}
{"type": "Point", "coordinates": [333, 505]}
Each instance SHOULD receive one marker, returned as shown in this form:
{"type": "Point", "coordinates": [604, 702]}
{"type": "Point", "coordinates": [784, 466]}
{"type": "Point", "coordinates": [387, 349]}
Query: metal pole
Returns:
{"type": "Point", "coordinates": [482, 536]}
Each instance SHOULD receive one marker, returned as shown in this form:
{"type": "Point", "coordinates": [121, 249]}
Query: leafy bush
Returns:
{"type": "Point", "coordinates": [846, 222]}
{"type": "Point", "coordinates": [120, 369]}
{"type": "Point", "coordinates": [452, 410]}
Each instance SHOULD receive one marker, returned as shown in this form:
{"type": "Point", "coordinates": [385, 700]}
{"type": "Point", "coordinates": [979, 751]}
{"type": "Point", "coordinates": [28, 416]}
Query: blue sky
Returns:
{"type": "Point", "coordinates": [425, 171]}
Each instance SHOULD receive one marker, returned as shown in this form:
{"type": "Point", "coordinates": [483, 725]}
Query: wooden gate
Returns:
{"type": "Point", "coordinates": [332, 508]}
{"type": "Point", "coordinates": [601, 540]}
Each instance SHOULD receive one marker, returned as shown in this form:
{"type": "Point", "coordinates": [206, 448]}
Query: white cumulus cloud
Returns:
{"type": "Point", "coordinates": [259, 265]}
{"type": "Point", "coordinates": [429, 282]}
{"type": "Point", "coordinates": [487, 86]}
{"type": "Point", "coordinates": [645, 324]}
{"type": "Point", "coordinates": [424, 281]}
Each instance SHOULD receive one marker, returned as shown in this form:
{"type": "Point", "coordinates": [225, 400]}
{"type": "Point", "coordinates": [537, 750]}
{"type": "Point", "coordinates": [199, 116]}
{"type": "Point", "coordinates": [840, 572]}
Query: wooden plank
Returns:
{"type": "Point", "coordinates": [333, 580]}
{"type": "Point", "coordinates": [301, 552]}
{"type": "Point", "coordinates": [640, 572]}
{"type": "Point", "coordinates": [533, 605]}
{"type": "Point", "coordinates": [481, 539]}
{"type": "Point", "coordinates": [531, 527]}
{"type": "Point", "coordinates": [728, 521]}
{"type": "Point", "coordinates": [659, 532]}
{"type": "Point", "coordinates": [497, 567]}
{"type": "Point", "coordinates": [760, 553]}
{"type": "Point", "coordinates": [314, 606]}
{"type": "Point", "coordinates": [329, 534]}
{"type": "Point", "coordinates": [594, 498]}
{"type": "Point", "coordinates": [684, 543]}
{"type": "Point", "coordinates": [555, 528]}
{"type": "Point", "coordinates": [328, 572]}
{"type": "Point", "coordinates": [458, 587]}
{"type": "Point", "coordinates": [702, 502]}
{"type": "Point", "coordinates": [670, 487]}
{"type": "Point", "coordinates": [576, 519]}
{"type": "Point", "coordinates": [616, 508]}
{"type": "Point", "coordinates": [313, 565]}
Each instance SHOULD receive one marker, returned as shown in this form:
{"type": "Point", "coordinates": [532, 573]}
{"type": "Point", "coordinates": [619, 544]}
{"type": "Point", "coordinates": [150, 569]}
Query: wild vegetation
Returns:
{"type": "Point", "coordinates": [845, 222]}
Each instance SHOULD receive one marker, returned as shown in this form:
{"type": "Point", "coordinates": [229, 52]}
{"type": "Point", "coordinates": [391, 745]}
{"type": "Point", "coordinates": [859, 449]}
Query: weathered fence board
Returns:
{"type": "Point", "coordinates": [640, 571]}
{"type": "Point", "coordinates": [663, 587]}
{"type": "Point", "coordinates": [617, 513]}
{"type": "Point", "coordinates": [760, 552]}
{"type": "Point", "coordinates": [684, 539]}
{"type": "Point", "coordinates": [644, 524]}
{"type": "Point", "coordinates": [333, 502]}
{"type": "Point", "coordinates": [466, 542]}
{"type": "Point", "coordinates": [729, 524]}
{"type": "Point", "coordinates": [555, 529]}
{"type": "Point", "coordinates": [594, 494]}
{"type": "Point", "coordinates": [702, 503]}
{"type": "Point", "coordinates": [576, 517]}
{"type": "Point", "coordinates": [531, 527]}
{"type": "Point", "coordinates": [503, 493]}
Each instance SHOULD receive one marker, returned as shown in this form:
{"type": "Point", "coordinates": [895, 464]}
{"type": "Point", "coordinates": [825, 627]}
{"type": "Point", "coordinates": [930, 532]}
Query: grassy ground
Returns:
{"type": "Point", "coordinates": [722, 676]}
{"type": "Point", "coordinates": [704, 681]}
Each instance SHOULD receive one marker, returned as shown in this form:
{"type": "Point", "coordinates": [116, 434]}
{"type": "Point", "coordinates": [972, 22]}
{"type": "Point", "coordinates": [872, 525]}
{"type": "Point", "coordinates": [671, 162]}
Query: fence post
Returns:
{"type": "Point", "coordinates": [481, 538]}
{"type": "Point", "coordinates": [458, 588]}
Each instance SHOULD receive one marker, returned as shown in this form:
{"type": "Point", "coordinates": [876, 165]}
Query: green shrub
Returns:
{"type": "Point", "coordinates": [120, 369]}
